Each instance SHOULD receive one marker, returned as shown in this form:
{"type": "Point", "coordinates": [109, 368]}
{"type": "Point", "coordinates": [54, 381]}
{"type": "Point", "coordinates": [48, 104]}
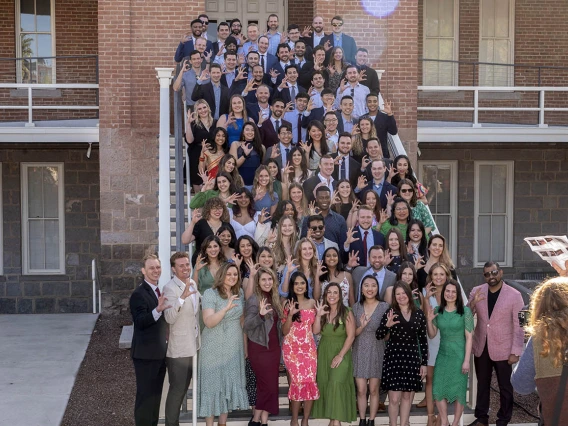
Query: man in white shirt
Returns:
{"type": "Point", "coordinates": [252, 35]}
{"type": "Point", "coordinates": [296, 117]}
{"type": "Point", "coordinates": [183, 343]}
{"type": "Point", "coordinates": [363, 237]}
{"type": "Point", "coordinates": [354, 89]}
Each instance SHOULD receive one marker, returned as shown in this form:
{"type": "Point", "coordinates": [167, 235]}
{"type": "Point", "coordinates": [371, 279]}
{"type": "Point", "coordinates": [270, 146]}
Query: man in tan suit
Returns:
{"type": "Point", "coordinates": [184, 340]}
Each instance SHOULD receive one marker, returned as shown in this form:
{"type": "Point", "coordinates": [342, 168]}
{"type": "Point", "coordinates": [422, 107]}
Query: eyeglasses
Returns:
{"type": "Point", "coordinates": [330, 120]}
{"type": "Point", "coordinates": [337, 25]}
{"type": "Point", "coordinates": [317, 228]}
{"type": "Point", "coordinates": [404, 190]}
{"type": "Point", "coordinates": [401, 209]}
{"type": "Point", "coordinates": [492, 273]}
{"type": "Point", "coordinates": [205, 22]}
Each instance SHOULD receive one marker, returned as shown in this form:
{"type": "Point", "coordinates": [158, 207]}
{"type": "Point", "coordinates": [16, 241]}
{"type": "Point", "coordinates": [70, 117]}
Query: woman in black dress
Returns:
{"type": "Point", "coordinates": [406, 353]}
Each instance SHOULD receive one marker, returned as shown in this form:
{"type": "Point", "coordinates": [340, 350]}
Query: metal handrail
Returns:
{"type": "Point", "coordinates": [95, 276]}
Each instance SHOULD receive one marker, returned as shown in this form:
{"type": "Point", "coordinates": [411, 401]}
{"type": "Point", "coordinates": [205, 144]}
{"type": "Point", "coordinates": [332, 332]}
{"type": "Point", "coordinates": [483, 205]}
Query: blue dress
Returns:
{"type": "Point", "coordinates": [248, 168]}
{"type": "Point", "coordinates": [233, 132]}
{"type": "Point", "coordinates": [265, 202]}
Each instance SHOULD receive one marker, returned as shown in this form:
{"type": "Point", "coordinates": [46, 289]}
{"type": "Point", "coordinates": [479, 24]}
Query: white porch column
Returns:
{"type": "Point", "coordinates": [164, 247]}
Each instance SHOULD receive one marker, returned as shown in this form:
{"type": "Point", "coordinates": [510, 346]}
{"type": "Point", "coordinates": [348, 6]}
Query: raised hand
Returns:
{"type": "Point", "coordinates": [558, 268]}
{"type": "Point", "coordinates": [362, 76]}
{"type": "Point", "coordinates": [391, 318]}
{"type": "Point", "coordinates": [392, 172]}
{"type": "Point", "coordinates": [196, 216]}
{"type": "Point", "coordinates": [355, 206]}
{"type": "Point", "coordinates": [307, 31]}
{"type": "Point", "coordinates": [311, 105]}
{"type": "Point", "coordinates": [231, 199]}
{"type": "Point", "coordinates": [237, 259]}
{"type": "Point", "coordinates": [353, 261]}
{"type": "Point", "coordinates": [264, 216]}
{"type": "Point", "coordinates": [384, 216]}
{"type": "Point", "coordinates": [186, 37]}
{"type": "Point", "coordinates": [355, 130]}
{"type": "Point", "coordinates": [320, 308]}
{"type": "Point", "coordinates": [241, 59]}
{"type": "Point", "coordinates": [478, 297]}
{"type": "Point", "coordinates": [350, 238]}
{"type": "Point", "coordinates": [365, 161]}
{"type": "Point", "coordinates": [271, 239]}
{"type": "Point", "coordinates": [342, 84]}
{"type": "Point", "coordinates": [230, 120]}
{"type": "Point", "coordinates": [199, 263]}
{"type": "Point", "coordinates": [430, 315]}
{"type": "Point", "coordinates": [312, 208]}
{"type": "Point", "coordinates": [283, 85]}
{"type": "Point", "coordinates": [162, 304]}
{"type": "Point", "coordinates": [431, 289]}
{"type": "Point", "coordinates": [320, 269]}
{"type": "Point", "coordinates": [388, 258]}
{"type": "Point", "coordinates": [362, 182]}
{"type": "Point", "coordinates": [231, 302]}
{"type": "Point", "coordinates": [387, 107]}
{"type": "Point", "coordinates": [390, 198]}
{"type": "Point", "coordinates": [418, 263]}
{"type": "Point", "coordinates": [283, 37]}
{"type": "Point", "coordinates": [187, 291]}
{"type": "Point", "coordinates": [291, 264]}
{"type": "Point", "coordinates": [286, 172]}
{"type": "Point", "coordinates": [251, 86]}
{"type": "Point", "coordinates": [204, 75]}
{"type": "Point", "coordinates": [273, 73]}
{"type": "Point", "coordinates": [221, 50]}
{"type": "Point", "coordinates": [191, 116]}
{"type": "Point", "coordinates": [207, 55]}
{"type": "Point", "coordinates": [327, 45]}
{"type": "Point", "coordinates": [264, 307]}
{"type": "Point", "coordinates": [305, 147]}
{"type": "Point", "coordinates": [275, 151]}
{"type": "Point", "coordinates": [336, 199]}
{"type": "Point", "coordinates": [364, 320]}
{"type": "Point", "coordinates": [242, 74]}
{"type": "Point", "coordinates": [293, 307]}
{"type": "Point", "coordinates": [186, 66]}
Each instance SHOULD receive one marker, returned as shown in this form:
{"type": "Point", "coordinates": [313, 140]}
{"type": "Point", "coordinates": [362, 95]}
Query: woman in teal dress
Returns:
{"type": "Point", "coordinates": [407, 191]}
{"type": "Point", "coordinates": [209, 260]}
{"type": "Point", "coordinates": [336, 325]}
{"type": "Point", "coordinates": [222, 356]}
{"type": "Point", "coordinates": [455, 322]}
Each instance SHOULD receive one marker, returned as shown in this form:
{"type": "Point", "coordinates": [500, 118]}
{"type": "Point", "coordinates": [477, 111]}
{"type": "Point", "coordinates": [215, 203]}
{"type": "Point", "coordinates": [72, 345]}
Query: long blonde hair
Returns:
{"type": "Point", "coordinates": [269, 187]}
{"type": "Point", "coordinates": [275, 297]}
{"type": "Point", "coordinates": [198, 121]}
{"type": "Point", "coordinates": [549, 318]}
{"type": "Point", "coordinates": [279, 253]}
{"type": "Point", "coordinates": [313, 264]}
{"type": "Point", "coordinates": [357, 145]}
{"type": "Point", "coordinates": [304, 202]}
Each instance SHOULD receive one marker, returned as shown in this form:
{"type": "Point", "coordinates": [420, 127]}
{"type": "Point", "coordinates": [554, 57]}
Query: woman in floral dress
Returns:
{"type": "Point", "coordinates": [299, 348]}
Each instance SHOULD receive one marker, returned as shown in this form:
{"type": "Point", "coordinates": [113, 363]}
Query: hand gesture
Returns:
{"type": "Point", "coordinates": [242, 74]}
{"type": "Point", "coordinates": [251, 86]}
{"type": "Point", "coordinates": [329, 105]}
{"type": "Point", "coordinates": [390, 198]}
{"type": "Point", "coordinates": [362, 76]}
{"type": "Point", "coordinates": [317, 66]}
{"type": "Point", "coordinates": [327, 45]}
{"type": "Point", "coordinates": [291, 265]}
{"type": "Point", "coordinates": [283, 37]}
{"type": "Point", "coordinates": [191, 116]}
{"type": "Point", "coordinates": [186, 66]}
{"type": "Point", "coordinates": [391, 318]}
{"type": "Point", "coordinates": [283, 85]}
{"type": "Point", "coordinates": [321, 269]}
{"type": "Point", "coordinates": [350, 238]}
{"type": "Point", "coordinates": [311, 105]}
{"type": "Point", "coordinates": [353, 261]}
{"type": "Point", "coordinates": [241, 59]}
{"type": "Point", "coordinates": [431, 289]}
{"type": "Point", "coordinates": [336, 361]}
{"type": "Point", "coordinates": [305, 147]}
{"type": "Point", "coordinates": [196, 216]}
{"type": "Point", "coordinates": [207, 55]}
{"type": "Point", "coordinates": [419, 263]}
{"type": "Point", "coordinates": [384, 216]}
{"type": "Point", "coordinates": [271, 239]}
{"type": "Point", "coordinates": [264, 307]}
{"type": "Point", "coordinates": [205, 147]}
{"type": "Point", "coordinates": [416, 294]}
{"type": "Point", "coordinates": [364, 320]}
{"type": "Point", "coordinates": [388, 258]}
{"type": "Point", "coordinates": [187, 291]}
{"type": "Point", "coordinates": [320, 308]}
{"type": "Point", "coordinates": [387, 107]}
{"type": "Point", "coordinates": [293, 308]}
{"type": "Point", "coordinates": [331, 69]}
{"type": "Point", "coordinates": [275, 152]}
{"type": "Point", "coordinates": [237, 259]}
{"type": "Point", "coordinates": [286, 172]}
{"type": "Point", "coordinates": [264, 216]}
{"type": "Point", "coordinates": [342, 84]}
{"type": "Point", "coordinates": [365, 161]}
{"type": "Point", "coordinates": [312, 208]}
{"type": "Point", "coordinates": [162, 304]}
{"type": "Point", "coordinates": [261, 118]}
{"type": "Point", "coordinates": [355, 130]}
{"type": "Point", "coordinates": [430, 315]}
{"type": "Point", "coordinates": [199, 263]}
{"type": "Point", "coordinates": [253, 268]}
{"type": "Point", "coordinates": [478, 297]}
{"type": "Point", "coordinates": [392, 172]}
{"type": "Point", "coordinates": [336, 198]}
{"type": "Point", "coordinates": [307, 31]}
{"type": "Point", "coordinates": [203, 76]}
{"type": "Point", "coordinates": [186, 37]}
{"type": "Point", "coordinates": [231, 199]}
{"type": "Point", "coordinates": [230, 120]}
{"type": "Point", "coordinates": [355, 206]}
{"type": "Point", "coordinates": [221, 50]}
{"type": "Point", "coordinates": [361, 182]}
{"type": "Point", "coordinates": [273, 73]}
{"type": "Point", "coordinates": [231, 303]}
{"type": "Point", "coordinates": [558, 268]}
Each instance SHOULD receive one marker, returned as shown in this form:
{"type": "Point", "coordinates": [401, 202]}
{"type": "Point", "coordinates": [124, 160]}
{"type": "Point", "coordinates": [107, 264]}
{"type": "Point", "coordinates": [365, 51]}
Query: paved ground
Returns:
{"type": "Point", "coordinates": [39, 359]}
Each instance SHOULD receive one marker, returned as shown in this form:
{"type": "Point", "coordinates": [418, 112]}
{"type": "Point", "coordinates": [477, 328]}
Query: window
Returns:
{"type": "Point", "coordinates": [496, 44]}
{"type": "Point", "coordinates": [493, 212]}
{"type": "Point", "coordinates": [440, 177]}
{"type": "Point", "coordinates": [440, 42]}
{"type": "Point", "coordinates": [43, 224]}
{"type": "Point", "coordinates": [35, 37]}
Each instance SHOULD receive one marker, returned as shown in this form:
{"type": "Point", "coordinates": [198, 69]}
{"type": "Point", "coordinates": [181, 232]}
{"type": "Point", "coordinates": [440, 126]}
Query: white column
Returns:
{"type": "Point", "coordinates": [164, 247]}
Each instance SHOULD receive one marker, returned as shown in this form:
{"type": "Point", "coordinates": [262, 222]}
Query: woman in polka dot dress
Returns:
{"type": "Point", "coordinates": [404, 364]}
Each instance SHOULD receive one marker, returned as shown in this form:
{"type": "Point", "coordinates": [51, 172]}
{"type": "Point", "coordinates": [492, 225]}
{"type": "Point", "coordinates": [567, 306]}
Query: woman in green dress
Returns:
{"type": "Point", "coordinates": [401, 213]}
{"type": "Point", "coordinates": [209, 260]}
{"type": "Point", "coordinates": [336, 325]}
{"type": "Point", "coordinates": [455, 322]}
{"type": "Point", "coordinates": [407, 192]}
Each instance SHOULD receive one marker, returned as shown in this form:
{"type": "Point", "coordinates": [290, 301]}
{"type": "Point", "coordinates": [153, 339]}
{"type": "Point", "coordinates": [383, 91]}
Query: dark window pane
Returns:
{"type": "Point", "coordinates": [27, 15]}
{"type": "Point", "coordinates": [43, 12]}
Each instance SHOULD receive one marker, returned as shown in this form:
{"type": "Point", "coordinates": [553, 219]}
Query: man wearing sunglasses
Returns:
{"type": "Point", "coordinates": [338, 38]}
{"type": "Point", "coordinates": [498, 341]}
{"type": "Point", "coordinates": [316, 231]}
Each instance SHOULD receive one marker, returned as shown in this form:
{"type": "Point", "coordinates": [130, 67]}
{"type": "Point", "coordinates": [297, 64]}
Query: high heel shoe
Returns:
{"type": "Point", "coordinates": [371, 422]}
{"type": "Point", "coordinates": [363, 422]}
{"type": "Point", "coordinates": [432, 420]}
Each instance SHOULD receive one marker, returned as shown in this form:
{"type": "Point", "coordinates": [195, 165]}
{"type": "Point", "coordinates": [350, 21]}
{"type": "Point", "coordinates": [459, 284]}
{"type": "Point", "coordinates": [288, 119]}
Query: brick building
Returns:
{"type": "Point", "coordinates": [66, 209]}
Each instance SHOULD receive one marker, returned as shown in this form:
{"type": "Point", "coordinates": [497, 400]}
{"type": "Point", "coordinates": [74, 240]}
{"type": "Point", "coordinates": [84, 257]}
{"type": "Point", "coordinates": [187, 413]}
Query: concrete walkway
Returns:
{"type": "Point", "coordinates": [40, 356]}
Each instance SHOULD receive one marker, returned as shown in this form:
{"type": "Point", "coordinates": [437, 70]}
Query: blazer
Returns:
{"type": "Point", "coordinates": [354, 170]}
{"type": "Point", "coordinates": [372, 81]}
{"type": "Point", "coordinates": [205, 91]}
{"type": "Point", "coordinates": [309, 40]}
{"type": "Point", "coordinates": [284, 94]}
{"type": "Point", "coordinates": [184, 49]}
{"type": "Point", "coordinates": [278, 158]}
{"type": "Point", "coordinates": [278, 68]}
{"type": "Point", "coordinates": [270, 62]}
{"type": "Point", "coordinates": [357, 246]}
{"type": "Point", "coordinates": [257, 328]}
{"type": "Point", "coordinates": [348, 45]}
{"type": "Point", "coordinates": [385, 124]}
{"type": "Point", "coordinates": [311, 183]}
{"type": "Point", "coordinates": [502, 332]}
{"type": "Point", "coordinates": [183, 320]}
{"type": "Point", "coordinates": [268, 133]}
{"type": "Point", "coordinates": [383, 195]}
{"type": "Point", "coordinates": [149, 338]}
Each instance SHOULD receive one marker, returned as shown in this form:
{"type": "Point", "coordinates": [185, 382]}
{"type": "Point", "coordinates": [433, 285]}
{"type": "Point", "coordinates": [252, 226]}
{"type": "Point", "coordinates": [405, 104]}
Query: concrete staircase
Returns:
{"type": "Point", "coordinates": [173, 237]}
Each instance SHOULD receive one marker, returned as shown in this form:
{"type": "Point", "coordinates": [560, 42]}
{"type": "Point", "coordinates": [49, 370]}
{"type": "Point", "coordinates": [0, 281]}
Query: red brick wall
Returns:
{"type": "Point", "coordinates": [300, 12]}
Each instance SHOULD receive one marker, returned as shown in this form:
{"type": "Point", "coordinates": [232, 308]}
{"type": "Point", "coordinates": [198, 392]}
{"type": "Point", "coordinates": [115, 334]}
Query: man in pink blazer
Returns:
{"type": "Point", "coordinates": [498, 341]}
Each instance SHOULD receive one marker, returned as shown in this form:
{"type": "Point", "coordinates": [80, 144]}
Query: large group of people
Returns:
{"type": "Point", "coordinates": [313, 249]}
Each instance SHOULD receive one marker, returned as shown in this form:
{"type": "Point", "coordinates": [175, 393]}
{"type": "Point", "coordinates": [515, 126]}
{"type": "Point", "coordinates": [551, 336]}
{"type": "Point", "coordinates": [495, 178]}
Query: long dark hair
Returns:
{"type": "Point", "coordinates": [257, 140]}
{"type": "Point", "coordinates": [409, 173]}
{"type": "Point", "coordinates": [324, 147]}
{"type": "Point", "coordinates": [459, 298]}
{"type": "Point", "coordinates": [393, 220]}
{"type": "Point", "coordinates": [279, 212]}
{"type": "Point", "coordinates": [205, 245]}
{"type": "Point", "coordinates": [423, 246]}
{"type": "Point", "coordinates": [250, 209]}
{"type": "Point", "coordinates": [362, 296]}
{"type": "Point", "coordinates": [339, 267]}
{"type": "Point", "coordinates": [406, 288]}
{"type": "Point", "coordinates": [227, 227]}
{"type": "Point", "coordinates": [244, 266]}
{"type": "Point", "coordinates": [232, 187]}
{"type": "Point", "coordinates": [303, 164]}
{"type": "Point", "coordinates": [341, 308]}
{"type": "Point", "coordinates": [225, 146]}
{"type": "Point", "coordinates": [292, 297]}
{"type": "Point", "coordinates": [279, 173]}
{"type": "Point", "coordinates": [403, 266]}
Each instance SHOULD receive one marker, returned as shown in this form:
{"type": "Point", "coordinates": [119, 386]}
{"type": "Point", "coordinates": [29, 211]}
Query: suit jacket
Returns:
{"type": "Point", "coordinates": [354, 170]}
{"type": "Point", "coordinates": [278, 158]}
{"type": "Point", "coordinates": [270, 63]}
{"type": "Point", "coordinates": [359, 272]}
{"type": "Point", "coordinates": [234, 83]}
{"type": "Point", "coordinates": [357, 246]}
{"type": "Point", "coordinates": [502, 332]}
{"type": "Point", "coordinates": [315, 114]}
{"type": "Point", "coordinates": [372, 81]}
{"type": "Point", "coordinates": [185, 339]}
{"type": "Point", "coordinates": [348, 45]}
{"type": "Point", "coordinates": [369, 174]}
{"type": "Point", "coordinates": [309, 40]}
{"type": "Point", "coordinates": [149, 338]}
{"type": "Point", "coordinates": [311, 183]}
{"type": "Point", "coordinates": [385, 124]}
{"type": "Point", "coordinates": [284, 94]}
{"type": "Point", "coordinates": [383, 195]}
{"type": "Point", "coordinates": [205, 91]}
{"type": "Point", "coordinates": [184, 49]}
{"type": "Point", "coordinates": [340, 127]}
{"type": "Point", "coordinates": [281, 74]}
{"type": "Point", "coordinates": [268, 133]}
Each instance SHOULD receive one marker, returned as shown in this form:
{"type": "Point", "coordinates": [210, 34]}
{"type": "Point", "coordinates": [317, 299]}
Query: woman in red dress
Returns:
{"type": "Point", "coordinates": [299, 347]}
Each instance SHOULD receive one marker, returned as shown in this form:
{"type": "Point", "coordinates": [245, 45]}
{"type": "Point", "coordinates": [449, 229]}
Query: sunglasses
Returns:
{"type": "Point", "coordinates": [493, 273]}
{"type": "Point", "coordinates": [317, 228]}
{"type": "Point", "coordinates": [336, 25]}
{"type": "Point", "coordinates": [404, 191]}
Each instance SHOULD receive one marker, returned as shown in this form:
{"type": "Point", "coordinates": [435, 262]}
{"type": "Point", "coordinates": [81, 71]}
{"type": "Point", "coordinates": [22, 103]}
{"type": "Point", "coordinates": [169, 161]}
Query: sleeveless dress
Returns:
{"type": "Point", "coordinates": [300, 357]}
{"type": "Point", "coordinates": [337, 389]}
{"type": "Point", "coordinates": [368, 351]}
{"type": "Point", "coordinates": [344, 285]}
{"type": "Point", "coordinates": [234, 130]}
{"type": "Point", "coordinates": [248, 168]}
{"type": "Point", "coordinates": [222, 360]}
{"type": "Point", "coordinates": [433, 344]}
{"type": "Point", "coordinates": [449, 381]}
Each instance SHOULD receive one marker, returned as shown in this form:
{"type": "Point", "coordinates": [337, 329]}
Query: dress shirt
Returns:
{"type": "Point", "coordinates": [378, 187]}
{"type": "Point", "coordinates": [264, 111]}
{"type": "Point", "coordinates": [320, 248]}
{"type": "Point", "coordinates": [347, 124]}
{"type": "Point", "coordinates": [335, 228]}
{"type": "Point", "coordinates": [316, 98]}
{"type": "Point", "coordinates": [217, 93]}
{"type": "Point", "coordinates": [292, 117]}
{"type": "Point", "coordinates": [283, 152]}
{"type": "Point", "coordinates": [188, 82]}
{"type": "Point", "coordinates": [273, 121]}
{"type": "Point", "coordinates": [317, 39]}
{"type": "Point", "coordinates": [253, 45]}
{"type": "Point", "coordinates": [338, 40]}
{"type": "Point", "coordinates": [327, 183]}
{"type": "Point", "coordinates": [273, 42]}
{"type": "Point", "coordinates": [332, 140]}
{"type": "Point", "coordinates": [230, 76]}
{"type": "Point", "coordinates": [359, 94]}
{"type": "Point", "coordinates": [370, 241]}
{"type": "Point", "coordinates": [300, 63]}
{"type": "Point", "coordinates": [344, 165]}
{"type": "Point", "coordinates": [155, 313]}
{"type": "Point", "coordinates": [379, 275]}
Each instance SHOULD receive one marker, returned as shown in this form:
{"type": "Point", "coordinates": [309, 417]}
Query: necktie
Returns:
{"type": "Point", "coordinates": [285, 160]}
{"type": "Point", "coordinates": [343, 170]}
{"type": "Point", "coordinates": [293, 93]}
{"type": "Point", "coordinates": [299, 127]}
{"type": "Point", "coordinates": [277, 125]}
{"type": "Point", "coordinates": [158, 292]}
{"type": "Point", "coordinates": [364, 257]}
{"type": "Point", "coordinates": [262, 62]}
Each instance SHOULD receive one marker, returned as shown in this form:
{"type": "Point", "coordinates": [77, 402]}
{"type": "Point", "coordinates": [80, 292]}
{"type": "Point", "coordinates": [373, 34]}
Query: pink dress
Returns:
{"type": "Point", "coordinates": [300, 357]}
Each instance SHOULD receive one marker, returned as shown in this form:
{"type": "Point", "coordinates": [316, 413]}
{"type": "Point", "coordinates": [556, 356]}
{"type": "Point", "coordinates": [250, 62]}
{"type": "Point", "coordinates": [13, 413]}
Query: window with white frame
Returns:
{"type": "Point", "coordinates": [440, 177]}
{"type": "Point", "coordinates": [43, 218]}
{"type": "Point", "coordinates": [440, 42]}
{"type": "Point", "coordinates": [35, 38]}
{"type": "Point", "coordinates": [496, 44]}
{"type": "Point", "coordinates": [493, 205]}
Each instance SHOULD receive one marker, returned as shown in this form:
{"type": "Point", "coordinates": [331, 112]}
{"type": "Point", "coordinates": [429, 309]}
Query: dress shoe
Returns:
{"type": "Point", "coordinates": [362, 422]}
{"type": "Point", "coordinates": [371, 422]}
{"type": "Point", "coordinates": [477, 422]}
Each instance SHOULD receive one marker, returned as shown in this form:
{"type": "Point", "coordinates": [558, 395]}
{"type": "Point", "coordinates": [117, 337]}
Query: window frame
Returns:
{"type": "Point", "coordinates": [456, 39]}
{"type": "Point", "coordinates": [510, 209]}
{"type": "Point", "coordinates": [453, 237]}
{"type": "Point", "coordinates": [19, 41]}
{"type": "Point", "coordinates": [26, 270]}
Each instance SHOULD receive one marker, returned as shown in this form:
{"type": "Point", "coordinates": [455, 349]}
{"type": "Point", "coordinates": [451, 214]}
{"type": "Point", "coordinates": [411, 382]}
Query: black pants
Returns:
{"type": "Point", "coordinates": [179, 376]}
{"type": "Point", "coordinates": [150, 375]}
{"type": "Point", "coordinates": [484, 369]}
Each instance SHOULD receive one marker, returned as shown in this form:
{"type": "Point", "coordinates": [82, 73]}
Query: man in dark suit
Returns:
{"type": "Point", "coordinates": [289, 88]}
{"type": "Point", "coordinates": [324, 177]}
{"type": "Point", "coordinates": [378, 184]}
{"type": "Point", "coordinates": [345, 117]}
{"type": "Point", "coordinates": [149, 344]}
{"type": "Point", "coordinates": [280, 152]}
{"type": "Point", "coordinates": [266, 60]}
{"type": "Point", "coordinates": [223, 31]}
{"type": "Point", "coordinates": [371, 78]}
{"type": "Point", "coordinates": [362, 237]}
{"type": "Point", "coordinates": [313, 38]}
{"type": "Point", "coordinates": [337, 38]}
{"type": "Point", "coordinates": [269, 127]}
{"type": "Point", "coordinates": [384, 120]}
{"type": "Point", "coordinates": [373, 152]}
{"type": "Point", "coordinates": [345, 166]}
{"type": "Point", "coordinates": [186, 45]}
{"type": "Point", "coordinates": [216, 95]}
{"type": "Point", "coordinates": [277, 72]}
{"type": "Point", "coordinates": [260, 104]}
